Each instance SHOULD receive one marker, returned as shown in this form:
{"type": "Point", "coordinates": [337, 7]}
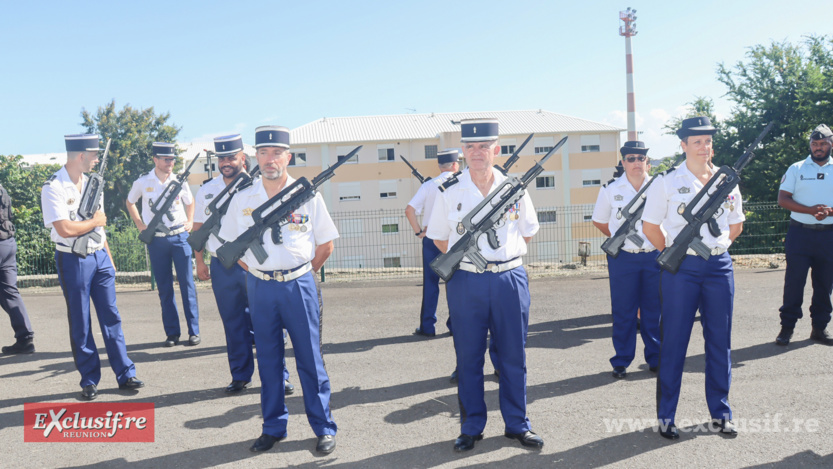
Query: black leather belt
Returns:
{"type": "Point", "coordinates": [814, 226]}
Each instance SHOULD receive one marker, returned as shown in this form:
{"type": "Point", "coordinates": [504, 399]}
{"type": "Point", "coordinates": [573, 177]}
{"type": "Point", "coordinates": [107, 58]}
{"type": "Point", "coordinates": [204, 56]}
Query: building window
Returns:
{"type": "Point", "coordinates": [385, 153]}
{"type": "Point", "coordinates": [350, 228]}
{"type": "Point", "coordinates": [591, 182]}
{"type": "Point", "coordinates": [543, 145]}
{"type": "Point", "coordinates": [430, 151]}
{"type": "Point", "coordinates": [507, 149]}
{"type": "Point", "coordinates": [390, 228]}
{"type": "Point", "coordinates": [343, 151]}
{"type": "Point", "coordinates": [591, 143]}
{"type": "Point", "coordinates": [546, 216]}
{"type": "Point", "coordinates": [586, 148]}
{"type": "Point", "coordinates": [544, 182]}
{"type": "Point", "coordinates": [591, 177]}
{"type": "Point", "coordinates": [588, 217]}
{"type": "Point", "coordinates": [392, 262]}
{"type": "Point", "coordinates": [542, 150]}
{"type": "Point", "coordinates": [297, 158]}
{"type": "Point", "coordinates": [387, 189]}
{"type": "Point", "coordinates": [349, 191]}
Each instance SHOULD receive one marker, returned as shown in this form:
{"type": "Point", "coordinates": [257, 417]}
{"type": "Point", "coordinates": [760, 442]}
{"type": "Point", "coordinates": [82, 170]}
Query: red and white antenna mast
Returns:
{"type": "Point", "coordinates": [628, 29]}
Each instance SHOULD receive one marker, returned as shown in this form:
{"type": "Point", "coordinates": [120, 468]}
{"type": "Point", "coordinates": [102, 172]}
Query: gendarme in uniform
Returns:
{"type": "Point", "coordinates": [89, 278]}
{"type": "Point", "coordinates": [169, 245]}
{"type": "Point", "coordinates": [423, 203]}
{"type": "Point", "coordinates": [10, 298]}
{"type": "Point", "coordinates": [283, 295]}
{"type": "Point", "coordinates": [495, 301]}
{"type": "Point", "coordinates": [634, 273]}
{"type": "Point", "coordinates": [807, 191]}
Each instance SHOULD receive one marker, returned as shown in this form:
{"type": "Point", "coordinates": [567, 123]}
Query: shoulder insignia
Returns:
{"type": "Point", "coordinates": [51, 178]}
{"type": "Point", "coordinates": [248, 212]}
{"type": "Point", "coordinates": [668, 171]}
{"type": "Point", "coordinates": [450, 181]}
{"type": "Point", "coordinates": [608, 182]}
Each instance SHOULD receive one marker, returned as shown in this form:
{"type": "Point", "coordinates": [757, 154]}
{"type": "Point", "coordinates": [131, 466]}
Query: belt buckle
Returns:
{"type": "Point", "coordinates": [277, 275]}
{"type": "Point", "coordinates": [493, 268]}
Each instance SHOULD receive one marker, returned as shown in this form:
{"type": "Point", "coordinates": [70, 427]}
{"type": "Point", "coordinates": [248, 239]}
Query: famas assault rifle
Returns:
{"type": "Point", "coordinates": [162, 206]}
{"type": "Point", "coordinates": [483, 220]}
{"type": "Point", "coordinates": [273, 214]}
{"type": "Point", "coordinates": [218, 208]}
{"type": "Point", "coordinates": [90, 204]}
{"type": "Point", "coordinates": [632, 213]}
{"type": "Point", "coordinates": [701, 212]}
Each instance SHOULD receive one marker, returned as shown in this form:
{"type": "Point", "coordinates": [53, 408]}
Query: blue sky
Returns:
{"type": "Point", "coordinates": [225, 67]}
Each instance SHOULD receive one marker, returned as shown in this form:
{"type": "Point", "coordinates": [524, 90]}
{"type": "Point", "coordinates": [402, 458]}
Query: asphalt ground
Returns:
{"type": "Point", "coordinates": [396, 408]}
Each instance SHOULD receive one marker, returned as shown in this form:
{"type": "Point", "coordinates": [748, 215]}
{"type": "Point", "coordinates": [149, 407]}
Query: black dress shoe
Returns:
{"type": "Point", "coordinates": [669, 432]}
{"type": "Point", "coordinates": [821, 336]}
{"type": "Point", "coordinates": [653, 368]}
{"type": "Point", "coordinates": [527, 438]}
{"type": "Point", "coordinates": [453, 378]}
{"type": "Point", "coordinates": [419, 331]}
{"type": "Point", "coordinates": [784, 336]}
{"type": "Point", "coordinates": [727, 428]}
{"type": "Point", "coordinates": [20, 347]}
{"type": "Point", "coordinates": [171, 340]}
{"type": "Point", "coordinates": [89, 392]}
{"type": "Point", "coordinates": [326, 444]}
{"type": "Point", "coordinates": [288, 388]}
{"type": "Point", "coordinates": [194, 340]}
{"type": "Point", "coordinates": [264, 443]}
{"type": "Point", "coordinates": [619, 372]}
{"type": "Point", "coordinates": [466, 442]}
{"type": "Point", "coordinates": [132, 383]}
{"type": "Point", "coordinates": [237, 386]}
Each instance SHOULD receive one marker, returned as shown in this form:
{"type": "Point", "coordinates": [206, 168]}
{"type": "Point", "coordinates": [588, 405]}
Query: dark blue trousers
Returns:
{"type": "Point", "coordinates": [430, 289]}
{"type": "Point", "coordinates": [292, 306]}
{"type": "Point", "coordinates": [808, 250]}
{"type": "Point", "coordinates": [10, 299]}
{"type": "Point", "coordinates": [634, 286]}
{"type": "Point", "coordinates": [162, 251]}
{"type": "Point", "coordinates": [230, 292]}
{"type": "Point", "coordinates": [495, 303]}
{"type": "Point", "coordinates": [93, 278]}
{"type": "Point", "coordinates": [709, 284]}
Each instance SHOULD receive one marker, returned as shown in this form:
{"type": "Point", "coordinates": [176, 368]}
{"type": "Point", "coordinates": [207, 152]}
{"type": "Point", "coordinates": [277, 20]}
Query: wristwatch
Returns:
{"type": "Point", "coordinates": [420, 232]}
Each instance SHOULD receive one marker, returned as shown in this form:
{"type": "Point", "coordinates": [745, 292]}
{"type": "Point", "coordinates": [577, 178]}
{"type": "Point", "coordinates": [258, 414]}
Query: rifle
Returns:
{"type": "Point", "coordinates": [512, 159]}
{"type": "Point", "coordinates": [273, 214]}
{"type": "Point", "coordinates": [218, 208]}
{"type": "Point", "coordinates": [487, 213]}
{"type": "Point", "coordinates": [717, 189]}
{"type": "Point", "coordinates": [632, 213]}
{"type": "Point", "coordinates": [163, 204]}
{"type": "Point", "coordinates": [89, 205]}
{"type": "Point", "coordinates": [414, 171]}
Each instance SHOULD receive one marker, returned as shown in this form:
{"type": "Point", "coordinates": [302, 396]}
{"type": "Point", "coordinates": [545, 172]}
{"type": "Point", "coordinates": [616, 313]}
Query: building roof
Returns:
{"type": "Point", "coordinates": [430, 126]}
{"type": "Point", "coordinates": [45, 158]}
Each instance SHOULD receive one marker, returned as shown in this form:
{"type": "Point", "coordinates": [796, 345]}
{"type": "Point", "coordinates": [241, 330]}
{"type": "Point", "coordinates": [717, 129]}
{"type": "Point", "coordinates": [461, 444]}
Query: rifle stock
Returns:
{"type": "Point", "coordinates": [89, 205]}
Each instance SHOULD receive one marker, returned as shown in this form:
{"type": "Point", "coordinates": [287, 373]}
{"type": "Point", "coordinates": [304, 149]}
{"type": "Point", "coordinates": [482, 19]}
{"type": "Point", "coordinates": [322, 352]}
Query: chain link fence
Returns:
{"type": "Point", "coordinates": [381, 244]}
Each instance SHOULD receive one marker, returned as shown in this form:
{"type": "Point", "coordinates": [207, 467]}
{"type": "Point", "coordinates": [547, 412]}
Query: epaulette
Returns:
{"type": "Point", "coordinates": [450, 181]}
{"type": "Point", "coordinates": [51, 178]}
{"type": "Point", "coordinates": [668, 171]}
{"type": "Point", "coordinates": [608, 182]}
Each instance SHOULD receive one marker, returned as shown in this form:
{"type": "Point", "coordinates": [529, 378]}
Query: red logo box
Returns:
{"type": "Point", "coordinates": [100, 422]}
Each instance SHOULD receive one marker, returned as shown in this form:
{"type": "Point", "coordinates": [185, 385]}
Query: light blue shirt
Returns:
{"type": "Point", "coordinates": [810, 184]}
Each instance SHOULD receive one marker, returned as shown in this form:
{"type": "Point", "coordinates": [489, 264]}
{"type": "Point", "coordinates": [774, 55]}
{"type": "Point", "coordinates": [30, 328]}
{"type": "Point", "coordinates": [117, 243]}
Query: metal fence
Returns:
{"type": "Point", "coordinates": [381, 244]}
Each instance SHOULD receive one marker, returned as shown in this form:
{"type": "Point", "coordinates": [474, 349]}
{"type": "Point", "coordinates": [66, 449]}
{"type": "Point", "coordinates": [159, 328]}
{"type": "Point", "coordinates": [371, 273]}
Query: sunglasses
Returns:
{"type": "Point", "coordinates": [631, 159]}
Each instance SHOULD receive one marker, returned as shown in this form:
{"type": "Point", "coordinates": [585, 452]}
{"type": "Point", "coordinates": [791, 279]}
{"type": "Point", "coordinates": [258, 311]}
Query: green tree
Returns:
{"type": "Point", "coordinates": [791, 85]}
{"type": "Point", "coordinates": [133, 132]}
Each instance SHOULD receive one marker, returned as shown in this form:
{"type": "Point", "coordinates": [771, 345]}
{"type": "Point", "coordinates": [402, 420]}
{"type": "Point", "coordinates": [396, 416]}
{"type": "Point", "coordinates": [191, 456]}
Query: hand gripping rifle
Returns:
{"type": "Point", "coordinates": [218, 208]}
{"type": "Point", "coordinates": [700, 212]}
{"type": "Point", "coordinates": [632, 213]}
{"type": "Point", "coordinates": [414, 171]}
{"type": "Point", "coordinates": [163, 205]}
{"type": "Point", "coordinates": [483, 220]}
{"type": "Point", "coordinates": [90, 204]}
{"type": "Point", "coordinates": [273, 214]}
{"type": "Point", "coordinates": [512, 159]}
